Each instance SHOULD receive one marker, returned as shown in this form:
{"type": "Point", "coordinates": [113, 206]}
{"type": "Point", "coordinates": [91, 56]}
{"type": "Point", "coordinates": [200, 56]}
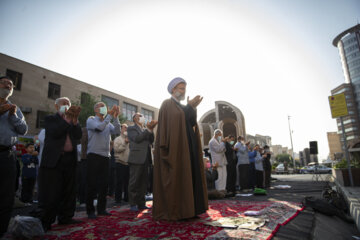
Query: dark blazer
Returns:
{"type": "Point", "coordinates": [56, 129]}
{"type": "Point", "coordinates": [140, 141]}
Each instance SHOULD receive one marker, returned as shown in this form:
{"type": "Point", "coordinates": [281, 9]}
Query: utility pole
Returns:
{"type": "Point", "coordinates": [292, 147]}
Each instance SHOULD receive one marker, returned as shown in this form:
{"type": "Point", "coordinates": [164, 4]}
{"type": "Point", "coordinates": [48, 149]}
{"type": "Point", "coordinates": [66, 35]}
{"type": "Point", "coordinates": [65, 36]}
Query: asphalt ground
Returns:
{"type": "Point", "coordinates": [306, 225]}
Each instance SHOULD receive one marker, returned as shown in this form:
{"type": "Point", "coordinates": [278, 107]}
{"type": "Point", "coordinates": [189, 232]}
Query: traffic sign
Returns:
{"type": "Point", "coordinates": [338, 105]}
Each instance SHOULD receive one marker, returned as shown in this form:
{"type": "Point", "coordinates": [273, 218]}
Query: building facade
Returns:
{"type": "Point", "coordinates": [351, 121]}
{"type": "Point", "coordinates": [224, 116]}
{"type": "Point", "coordinates": [37, 88]}
{"type": "Point", "coordinates": [348, 44]}
{"type": "Point", "coordinates": [334, 145]}
{"type": "Point", "coordinates": [259, 139]}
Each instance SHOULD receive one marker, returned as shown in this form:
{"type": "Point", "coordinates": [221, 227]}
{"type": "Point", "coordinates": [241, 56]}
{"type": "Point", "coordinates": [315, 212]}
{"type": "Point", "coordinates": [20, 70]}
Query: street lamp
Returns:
{"type": "Point", "coordinates": [292, 147]}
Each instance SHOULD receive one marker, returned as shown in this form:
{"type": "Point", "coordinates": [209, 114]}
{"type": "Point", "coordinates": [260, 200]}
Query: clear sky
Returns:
{"type": "Point", "coordinates": [271, 59]}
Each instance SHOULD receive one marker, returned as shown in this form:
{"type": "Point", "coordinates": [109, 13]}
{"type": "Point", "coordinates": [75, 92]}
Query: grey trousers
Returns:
{"type": "Point", "coordinates": [138, 181]}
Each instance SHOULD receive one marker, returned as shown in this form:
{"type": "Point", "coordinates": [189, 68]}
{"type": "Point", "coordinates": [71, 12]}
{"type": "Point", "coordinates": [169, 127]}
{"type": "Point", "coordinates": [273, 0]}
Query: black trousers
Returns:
{"type": "Point", "coordinates": [138, 183]}
{"type": "Point", "coordinates": [57, 190]}
{"type": "Point", "coordinates": [259, 179]}
{"type": "Point", "coordinates": [27, 189]}
{"type": "Point", "coordinates": [97, 179]}
{"type": "Point", "coordinates": [252, 175]}
{"type": "Point", "coordinates": [243, 176]}
{"type": "Point", "coordinates": [81, 181]}
{"type": "Point", "coordinates": [7, 188]}
{"type": "Point", "coordinates": [267, 177]}
{"type": "Point", "coordinates": [122, 182]}
{"type": "Point", "coordinates": [231, 177]}
{"type": "Point", "coordinates": [112, 170]}
{"type": "Point", "coordinates": [150, 176]}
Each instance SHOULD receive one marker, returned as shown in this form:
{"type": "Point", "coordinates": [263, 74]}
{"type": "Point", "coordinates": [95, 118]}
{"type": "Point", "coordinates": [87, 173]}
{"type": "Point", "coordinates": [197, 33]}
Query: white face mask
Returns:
{"type": "Point", "coordinates": [219, 138]}
{"type": "Point", "coordinates": [142, 120]}
{"type": "Point", "coordinates": [5, 93]}
{"type": "Point", "coordinates": [125, 133]}
{"type": "Point", "coordinates": [103, 110]}
{"type": "Point", "coordinates": [63, 109]}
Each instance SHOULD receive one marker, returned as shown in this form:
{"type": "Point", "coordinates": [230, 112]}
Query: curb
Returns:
{"type": "Point", "coordinates": [352, 197]}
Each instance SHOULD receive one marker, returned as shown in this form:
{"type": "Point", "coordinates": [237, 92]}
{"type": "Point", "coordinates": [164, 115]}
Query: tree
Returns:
{"type": "Point", "coordinates": [282, 158]}
{"type": "Point", "coordinates": [86, 102]}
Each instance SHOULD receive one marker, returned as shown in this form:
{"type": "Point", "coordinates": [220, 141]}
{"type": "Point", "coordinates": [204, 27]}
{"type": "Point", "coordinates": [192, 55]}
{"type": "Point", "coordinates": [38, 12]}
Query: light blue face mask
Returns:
{"type": "Point", "coordinates": [231, 142]}
{"type": "Point", "coordinates": [103, 110]}
{"type": "Point", "coordinates": [63, 109]}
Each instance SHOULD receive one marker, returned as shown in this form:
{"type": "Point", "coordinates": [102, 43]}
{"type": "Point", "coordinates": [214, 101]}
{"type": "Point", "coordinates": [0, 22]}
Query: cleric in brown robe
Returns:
{"type": "Point", "coordinates": [179, 182]}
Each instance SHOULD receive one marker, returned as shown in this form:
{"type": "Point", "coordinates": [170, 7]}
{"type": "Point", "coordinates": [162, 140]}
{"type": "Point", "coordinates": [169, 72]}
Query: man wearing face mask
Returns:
{"type": "Point", "coordinates": [12, 124]}
{"type": "Point", "coordinates": [121, 149]}
{"type": "Point", "coordinates": [139, 160]}
{"type": "Point", "coordinates": [231, 166]}
{"type": "Point", "coordinates": [243, 163]}
{"type": "Point", "coordinates": [98, 154]}
{"type": "Point", "coordinates": [217, 149]}
{"type": "Point", "coordinates": [57, 173]}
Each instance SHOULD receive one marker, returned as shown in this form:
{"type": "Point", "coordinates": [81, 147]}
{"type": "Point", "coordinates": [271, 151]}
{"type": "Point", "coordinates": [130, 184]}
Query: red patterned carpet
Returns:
{"type": "Point", "coordinates": [124, 224]}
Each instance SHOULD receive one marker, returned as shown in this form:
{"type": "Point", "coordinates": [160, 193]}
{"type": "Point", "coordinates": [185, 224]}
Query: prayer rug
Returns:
{"type": "Point", "coordinates": [124, 224]}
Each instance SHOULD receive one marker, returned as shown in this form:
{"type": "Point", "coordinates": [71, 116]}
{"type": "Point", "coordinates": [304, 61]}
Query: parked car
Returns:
{"type": "Point", "coordinates": [319, 169]}
{"type": "Point", "coordinates": [322, 169]}
{"type": "Point", "coordinates": [305, 169]}
{"type": "Point", "coordinates": [280, 168]}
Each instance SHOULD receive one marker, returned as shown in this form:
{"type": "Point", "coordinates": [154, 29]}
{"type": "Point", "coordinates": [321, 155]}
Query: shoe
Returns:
{"type": "Point", "coordinates": [134, 208]}
{"type": "Point", "coordinates": [144, 207]}
{"type": "Point", "coordinates": [46, 226]}
{"type": "Point", "coordinates": [91, 216]}
{"type": "Point", "coordinates": [104, 213]}
{"type": "Point", "coordinates": [71, 221]}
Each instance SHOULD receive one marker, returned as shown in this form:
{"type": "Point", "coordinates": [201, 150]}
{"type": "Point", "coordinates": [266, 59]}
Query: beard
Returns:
{"type": "Point", "coordinates": [5, 93]}
{"type": "Point", "coordinates": [179, 96]}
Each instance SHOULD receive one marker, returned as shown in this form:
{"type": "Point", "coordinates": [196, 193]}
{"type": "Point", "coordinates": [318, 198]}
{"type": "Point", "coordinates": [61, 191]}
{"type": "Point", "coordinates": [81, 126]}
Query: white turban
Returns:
{"type": "Point", "coordinates": [175, 82]}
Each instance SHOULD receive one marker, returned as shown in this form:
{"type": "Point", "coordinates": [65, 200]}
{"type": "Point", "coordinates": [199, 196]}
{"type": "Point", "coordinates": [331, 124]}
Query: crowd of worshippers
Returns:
{"type": "Point", "coordinates": [234, 166]}
{"type": "Point", "coordinates": [69, 163]}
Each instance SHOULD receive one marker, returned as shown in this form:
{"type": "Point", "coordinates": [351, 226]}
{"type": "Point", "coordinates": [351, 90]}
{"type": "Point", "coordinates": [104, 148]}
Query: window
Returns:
{"type": "Point", "coordinates": [350, 129]}
{"type": "Point", "coordinates": [84, 97]}
{"type": "Point", "coordinates": [149, 115]}
{"type": "Point", "coordinates": [54, 90]}
{"type": "Point", "coordinates": [350, 137]}
{"type": "Point", "coordinates": [16, 77]}
{"type": "Point", "coordinates": [128, 110]}
{"type": "Point", "coordinates": [109, 101]}
{"type": "Point", "coordinates": [40, 118]}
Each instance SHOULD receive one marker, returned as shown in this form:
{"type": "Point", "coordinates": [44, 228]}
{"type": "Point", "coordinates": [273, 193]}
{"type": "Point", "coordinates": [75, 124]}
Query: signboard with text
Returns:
{"type": "Point", "coordinates": [338, 105]}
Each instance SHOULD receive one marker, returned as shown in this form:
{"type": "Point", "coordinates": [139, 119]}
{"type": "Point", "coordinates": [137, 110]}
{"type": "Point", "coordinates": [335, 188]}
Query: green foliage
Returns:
{"type": "Point", "coordinates": [274, 165]}
{"type": "Point", "coordinates": [122, 118]}
{"type": "Point", "coordinates": [343, 164]}
{"type": "Point", "coordinates": [281, 158]}
{"type": "Point", "coordinates": [86, 102]}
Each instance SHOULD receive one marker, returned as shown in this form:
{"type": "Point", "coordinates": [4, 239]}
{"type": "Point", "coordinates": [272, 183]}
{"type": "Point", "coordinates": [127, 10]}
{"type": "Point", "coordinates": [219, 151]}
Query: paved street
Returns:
{"type": "Point", "coordinates": [307, 225]}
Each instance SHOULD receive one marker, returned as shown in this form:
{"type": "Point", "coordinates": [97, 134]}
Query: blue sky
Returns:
{"type": "Point", "coordinates": [271, 59]}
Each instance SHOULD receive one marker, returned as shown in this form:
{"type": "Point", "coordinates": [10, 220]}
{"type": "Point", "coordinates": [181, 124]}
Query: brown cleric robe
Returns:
{"type": "Point", "coordinates": [179, 181]}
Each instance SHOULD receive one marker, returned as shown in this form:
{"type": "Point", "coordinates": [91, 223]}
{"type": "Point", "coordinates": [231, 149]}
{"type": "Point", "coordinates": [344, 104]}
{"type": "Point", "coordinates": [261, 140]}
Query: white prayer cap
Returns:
{"type": "Point", "coordinates": [175, 82]}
